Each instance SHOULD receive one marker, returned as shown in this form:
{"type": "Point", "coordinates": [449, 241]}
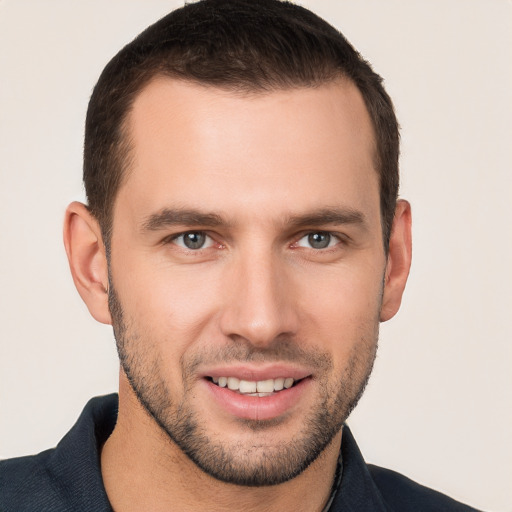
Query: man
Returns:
{"type": "Point", "coordinates": [244, 238]}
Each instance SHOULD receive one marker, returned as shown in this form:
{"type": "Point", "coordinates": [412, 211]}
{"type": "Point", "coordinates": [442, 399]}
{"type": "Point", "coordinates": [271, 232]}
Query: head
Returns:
{"type": "Point", "coordinates": [241, 171]}
{"type": "Point", "coordinates": [240, 46]}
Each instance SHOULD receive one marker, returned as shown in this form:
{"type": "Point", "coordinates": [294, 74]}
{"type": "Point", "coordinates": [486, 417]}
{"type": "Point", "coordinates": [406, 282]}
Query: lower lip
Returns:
{"type": "Point", "coordinates": [258, 408]}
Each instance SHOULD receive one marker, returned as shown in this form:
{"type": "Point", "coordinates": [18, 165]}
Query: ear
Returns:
{"type": "Point", "coordinates": [399, 261]}
{"type": "Point", "coordinates": [87, 260]}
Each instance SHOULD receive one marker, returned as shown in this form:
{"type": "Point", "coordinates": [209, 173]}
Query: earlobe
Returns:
{"type": "Point", "coordinates": [399, 261]}
{"type": "Point", "coordinates": [87, 260]}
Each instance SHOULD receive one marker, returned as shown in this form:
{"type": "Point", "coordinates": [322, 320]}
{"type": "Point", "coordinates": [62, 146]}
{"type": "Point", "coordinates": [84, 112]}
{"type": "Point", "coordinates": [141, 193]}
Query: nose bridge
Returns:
{"type": "Point", "coordinates": [259, 305]}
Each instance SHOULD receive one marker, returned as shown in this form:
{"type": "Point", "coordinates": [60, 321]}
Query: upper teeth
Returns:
{"type": "Point", "coordinates": [252, 386]}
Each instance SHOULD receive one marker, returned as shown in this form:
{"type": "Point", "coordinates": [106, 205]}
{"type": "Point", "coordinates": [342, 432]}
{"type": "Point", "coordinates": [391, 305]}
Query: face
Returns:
{"type": "Point", "coordinates": [247, 270]}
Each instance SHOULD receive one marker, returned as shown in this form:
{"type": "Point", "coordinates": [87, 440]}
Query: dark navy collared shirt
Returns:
{"type": "Point", "coordinates": [68, 477]}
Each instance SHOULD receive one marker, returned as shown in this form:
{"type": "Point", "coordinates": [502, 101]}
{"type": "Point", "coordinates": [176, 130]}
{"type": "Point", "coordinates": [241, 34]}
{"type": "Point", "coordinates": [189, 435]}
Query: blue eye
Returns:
{"type": "Point", "coordinates": [318, 240]}
{"type": "Point", "coordinates": [193, 240]}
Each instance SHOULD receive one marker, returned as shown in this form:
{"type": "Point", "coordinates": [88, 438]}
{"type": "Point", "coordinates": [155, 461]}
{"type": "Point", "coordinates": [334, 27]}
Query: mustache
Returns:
{"type": "Point", "coordinates": [282, 349]}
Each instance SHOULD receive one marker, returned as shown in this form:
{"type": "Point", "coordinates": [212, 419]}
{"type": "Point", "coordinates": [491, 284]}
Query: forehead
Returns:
{"type": "Point", "coordinates": [215, 149]}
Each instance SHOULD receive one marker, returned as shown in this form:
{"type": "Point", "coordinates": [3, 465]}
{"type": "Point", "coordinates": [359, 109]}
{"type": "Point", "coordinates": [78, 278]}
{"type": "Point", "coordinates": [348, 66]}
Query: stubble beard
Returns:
{"type": "Point", "coordinates": [253, 463]}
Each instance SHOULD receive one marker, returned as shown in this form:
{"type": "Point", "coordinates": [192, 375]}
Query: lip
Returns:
{"type": "Point", "coordinates": [258, 408]}
{"type": "Point", "coordinates": [256, 373]}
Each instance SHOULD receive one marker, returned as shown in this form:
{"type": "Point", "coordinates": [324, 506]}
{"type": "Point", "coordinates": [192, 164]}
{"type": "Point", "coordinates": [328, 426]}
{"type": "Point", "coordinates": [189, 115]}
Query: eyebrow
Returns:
{"type": "Point", "coordinates": [324, 216]}
{"type": "Point", "coordinates": [168, 217]}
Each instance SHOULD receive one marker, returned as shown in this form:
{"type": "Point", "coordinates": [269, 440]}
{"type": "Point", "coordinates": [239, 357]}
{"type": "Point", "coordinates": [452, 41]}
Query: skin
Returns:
{"type": "Point", "coordinates": [273, 168]}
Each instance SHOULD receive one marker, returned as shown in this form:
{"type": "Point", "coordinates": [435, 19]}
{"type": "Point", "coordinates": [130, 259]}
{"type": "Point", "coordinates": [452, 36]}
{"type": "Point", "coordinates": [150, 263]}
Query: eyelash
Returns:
{"type": "Point", "coordinates": [332, 237]}
{"type": "Point", "coordinates": [174, 238]}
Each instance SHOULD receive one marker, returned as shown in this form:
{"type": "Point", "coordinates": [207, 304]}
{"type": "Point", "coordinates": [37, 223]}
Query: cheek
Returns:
{"type": "Point", "coordinates": [342, 308]}
{"type": "Point", "coordinates": [168, 303]}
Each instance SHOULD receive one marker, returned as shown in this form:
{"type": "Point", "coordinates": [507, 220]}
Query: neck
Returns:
{"type": "Point", "coordinates": [143, 469]}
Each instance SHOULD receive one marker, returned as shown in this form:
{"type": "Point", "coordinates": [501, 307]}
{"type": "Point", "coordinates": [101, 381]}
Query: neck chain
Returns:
{"type": "Point", "coordinates": [336, 483]}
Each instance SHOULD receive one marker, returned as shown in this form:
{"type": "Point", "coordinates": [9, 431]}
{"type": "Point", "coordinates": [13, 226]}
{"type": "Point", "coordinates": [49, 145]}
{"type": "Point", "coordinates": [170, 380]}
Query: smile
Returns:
{"type": "Point", "coordinates": [257, 392]}
{"type": "Point", "coordinates": [260, 388]}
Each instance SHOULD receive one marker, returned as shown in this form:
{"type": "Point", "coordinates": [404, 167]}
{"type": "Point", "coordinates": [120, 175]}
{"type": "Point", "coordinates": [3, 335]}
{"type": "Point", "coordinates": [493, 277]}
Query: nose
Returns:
{"type": "Point", "coordinates": [260, 300]}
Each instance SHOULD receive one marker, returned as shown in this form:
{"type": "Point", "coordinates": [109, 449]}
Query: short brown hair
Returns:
{"type": "Point", "coordinates": [240, 45]}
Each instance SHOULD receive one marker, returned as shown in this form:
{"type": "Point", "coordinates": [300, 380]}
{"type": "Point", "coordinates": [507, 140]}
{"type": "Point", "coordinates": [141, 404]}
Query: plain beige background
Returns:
{"type": "Point", "coordinates": [438, 407]}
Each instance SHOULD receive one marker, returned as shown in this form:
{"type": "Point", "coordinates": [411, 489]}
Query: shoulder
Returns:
{"type": "Point", "coordinates": [66, 478]}
{"type": "Point", "coordinates": [26, 483]}
{"type": "Point", "coordinates": [365, 487]}
{"type": "Point", "coordinates": [403, 494]}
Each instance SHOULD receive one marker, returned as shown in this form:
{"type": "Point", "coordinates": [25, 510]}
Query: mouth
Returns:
{"type": "Point", "coordinates": [266, 392]}
{"type": "Point", "coordinates": [259, 388]}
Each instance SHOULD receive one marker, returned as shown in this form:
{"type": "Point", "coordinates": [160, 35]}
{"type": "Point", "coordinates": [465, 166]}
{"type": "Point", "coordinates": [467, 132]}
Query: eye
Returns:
{"type": "Point", "coordinates": [318, 240]}
{"type": "Point", "coordinates": [193, 240]}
